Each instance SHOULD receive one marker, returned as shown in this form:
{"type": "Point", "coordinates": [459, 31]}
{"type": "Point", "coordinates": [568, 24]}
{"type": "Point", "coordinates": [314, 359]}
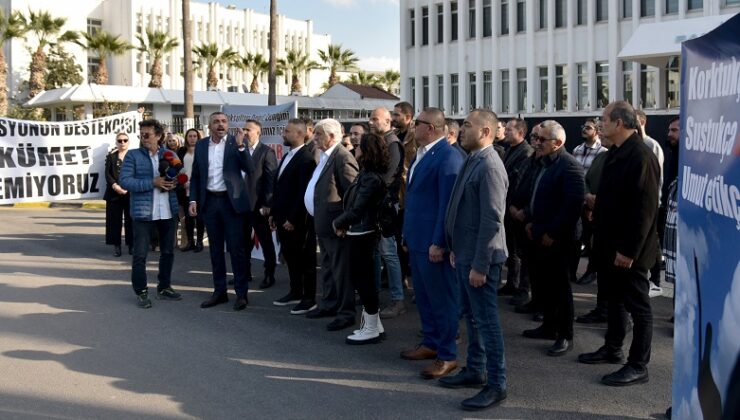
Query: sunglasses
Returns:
{"type": "Point", "coordinates": [121, 140]}
{"type": "Point", "coordinates": [146, 135]}
{"type": "Point", "coordinates": [418, 121]}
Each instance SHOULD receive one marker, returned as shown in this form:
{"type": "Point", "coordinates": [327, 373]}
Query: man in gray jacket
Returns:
{"type": "Point", "coordinates": [475, 233]}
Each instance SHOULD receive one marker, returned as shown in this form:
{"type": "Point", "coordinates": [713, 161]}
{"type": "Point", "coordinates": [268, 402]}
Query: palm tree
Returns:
{"type": "Point", "coordinates": [11, 27]}
{"type": "Point", "coordinates": [105, 45]}
{"type": "Point", "coordinates": [189, 120]}
{"type": "Point", "coordinates": [362, 78]}
{"type": "Point", "coordinates": [297, 63]}
{"type": "Point", "coordinates": [257, 65]}
{"type": "Point", "coordinates": [48, 31]}
{"type": "Point", "coordinates": [389, 80]}
{"type": "Point", "coordinates": [157, 44]}
{"type": "Point", "coordinates": [335, 59]}
{"type": "Point", "coordinates": [208, 55]}
{"type": "Point", "coordinates": [272, 63]}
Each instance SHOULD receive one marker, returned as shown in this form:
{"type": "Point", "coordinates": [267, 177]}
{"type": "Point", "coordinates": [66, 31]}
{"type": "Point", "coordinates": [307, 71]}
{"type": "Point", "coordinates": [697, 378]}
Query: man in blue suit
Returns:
{"type": "Point", "coordinates": [218, 189]}
{"type": "Point", "coordinates": [430, 180]}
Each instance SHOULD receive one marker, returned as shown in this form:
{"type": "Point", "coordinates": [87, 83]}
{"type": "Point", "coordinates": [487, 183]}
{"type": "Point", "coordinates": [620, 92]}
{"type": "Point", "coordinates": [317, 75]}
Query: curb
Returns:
{"type": "Point", "coordinates": [89, 205]}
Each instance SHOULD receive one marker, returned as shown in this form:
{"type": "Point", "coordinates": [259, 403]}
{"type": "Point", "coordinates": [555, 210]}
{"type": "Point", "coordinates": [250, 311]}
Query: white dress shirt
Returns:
{"type": "Point", "coordinates": [308, 197]}
{"type": "Point", "coordinates": [161, 199]}
{"type": "Point", "coordinates": [216, 165]}
{"type": "Point", "coordinates": [288, 157]}
{"type": "Point", "coordinates": [420, 152]}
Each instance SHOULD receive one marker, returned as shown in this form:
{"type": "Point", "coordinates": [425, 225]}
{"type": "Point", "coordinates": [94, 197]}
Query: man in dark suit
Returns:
{"type": "Point", "coordinates": [336, 170]}
{"type": "Point", "coordinates": [260, 185]}
{"type": "Point", "coordinates": [295, 227]}
{"type": "Point", "coordinates": [557, 201]}
{"type": "Point", "coordinates": [430, 180]}
{"type": "Point", "coordinates": [625, 243]}
{"type": "Point", "coordinates": [219, 190]}
{"type": "Point", "coordinates": [474, 229]}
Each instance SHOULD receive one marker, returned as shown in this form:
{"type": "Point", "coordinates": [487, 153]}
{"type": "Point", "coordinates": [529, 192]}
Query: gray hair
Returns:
{"type": "Point", "coordinates": [330, 126]}
{"type": "Point", "coordinates": [552, 130]}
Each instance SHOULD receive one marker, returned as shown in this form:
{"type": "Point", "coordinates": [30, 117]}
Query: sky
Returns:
{"type": "Point", "coordinates": [370, 28]}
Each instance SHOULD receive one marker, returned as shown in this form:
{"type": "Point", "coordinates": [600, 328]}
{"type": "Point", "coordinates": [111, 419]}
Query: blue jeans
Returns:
{"type": "Point", "coordinates": [479, 307]}
{"type": "Point", "coordinates": [387, 250]}
{"type": "Point", "coordinates": [143, 231]}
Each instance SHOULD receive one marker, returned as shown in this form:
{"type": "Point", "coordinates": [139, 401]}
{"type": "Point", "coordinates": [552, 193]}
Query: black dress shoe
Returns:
{"type": "Point", "coordinates": [538, 317]}
{"type": "Point", "coordinates": [198, 248]}
{"type": "Point", "coordinates": [541, 333]}
{"type": "Point", "coordinates": [487, 397]}
{"type": "Point", "coordinates": [267, 282]}
{"type": "Point", "coordinates": [507, 290]}
{"type": "Point", "coordinates": [320, 313]}
{"type": "Point", "coordinates": [596, 316]}
{"type": "Point", "coordinates": [561, 346]}
{"type": "Point", "coordinates": [117, 250]}
{"type": "Point", "coordinates": [240, 304]}
{"type": "Point", "coordinates": [586, 278]}
{"type": "Point", "coordinates": [216, 299]}
{"type": "Point", "coordinates": [627, 375]}
{"type": "Point", "coordinates": [464, 379]}
{"type": "Point", "coordinates": [602, 355]}
{"type": "Point", "coordinates": [340, 324]}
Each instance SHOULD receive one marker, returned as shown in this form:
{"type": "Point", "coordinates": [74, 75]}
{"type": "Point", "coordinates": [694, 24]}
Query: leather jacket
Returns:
{"type": "Point", "coordinates": [361, 203]}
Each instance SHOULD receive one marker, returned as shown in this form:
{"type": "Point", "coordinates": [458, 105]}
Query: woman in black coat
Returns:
{"type": "Point", "coordinates": [359, 225]}
{"type": "Point", "coordinates": [117, 199]}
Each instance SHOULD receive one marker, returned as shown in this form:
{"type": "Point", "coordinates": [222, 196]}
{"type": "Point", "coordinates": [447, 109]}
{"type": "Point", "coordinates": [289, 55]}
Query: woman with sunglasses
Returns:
{"type": "Point", "coordinates": [117, 204]}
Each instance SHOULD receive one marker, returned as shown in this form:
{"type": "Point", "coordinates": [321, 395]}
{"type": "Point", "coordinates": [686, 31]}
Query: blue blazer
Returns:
{"type": "Point", "coordinates": [427, 195]}
{"type": "Point", "coordinates": [235, 162]}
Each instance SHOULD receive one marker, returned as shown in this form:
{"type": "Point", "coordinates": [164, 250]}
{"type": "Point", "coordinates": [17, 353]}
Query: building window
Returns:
{"type": "Point", "coordinates": [561, 87]}
{"type": "Point", "coordinates": [602, 10]}
{"type": "Point", "coordinates": [440, 24]}
{"type": "Point", "coordinates": [453, 21]}
{"type": "Point", "coordinates": [582, 83]}
{"type": "Point", "coordinates": [697, 4]}
{"type": "Point", "coordinates": [454, 90]}
{"type": "Point", "coordinates": [561, 13]}
{"type": "Point", "coordinates": [471, 20]}
{"type": "Point", "coordinates": [487, 22]}
{"type": "Point", "coordinates": [521, 89]}
{"type": "Point", "coordinates": [440, 92]}
{"type": "Point", "coordinates": [93, 63]}
{"type": "Point", "coordinates": [542, 15]}
{"type": "Point", "coordinates": [649, 86]}
{"type": "Point", "coordinates": [671, 6]}
{"type": "Point", "coordinates": [521, 18]}
{"type": "Point", "coordinates": [543, 88]}
{"type": "Point", "coordinates": [425, 91]}
{"type": "Point", "coordinates": [673, 80]}
{"type": "Point", "coordinates": [471, 89]}
{"type": "Point", "coordinates": [148, 111]}
{"type": "Point", "coordinates": [504, 18]}
{"type": "Point", "coordinates": [412, 85]}
{"type": "Point", "coordinates": [93, 26]}
{"type": "Point", "coordinates": [627, 81]}
{"type": "Point", "coordinates": [504, 90]}
{"type": "Point", "coordinates": [424, 26]}
{"type": "Point", "coordinates": [602, 84]}
{"type": "Point", "coordinates": [412, 27]}
{"type": "Point", "coordinates": [626, 9]}
{"type": "Point", "coordinates": [581, 13]}
{"type": "Point", "coordinates": [647, 8]}
{"type": "Point", "coordinates": [487, 89]}
{"type": "Point", "coordinates": [732, 2]}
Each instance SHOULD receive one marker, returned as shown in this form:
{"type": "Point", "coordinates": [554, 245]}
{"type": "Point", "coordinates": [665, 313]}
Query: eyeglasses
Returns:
{"type": "Point", "coordinates": [418, 121]}
{"type": "Point", "coordinates": [539, 139]}
{"type": "Point", "coordinates": [146, 135]}
{"type": "Point", "coordinates": [121, 140]}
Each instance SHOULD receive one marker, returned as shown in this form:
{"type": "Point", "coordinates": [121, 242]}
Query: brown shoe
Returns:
{"type": "Point", "coordinates": [419, 352]}
{"type": "Point", "coordinates": [438, 369]}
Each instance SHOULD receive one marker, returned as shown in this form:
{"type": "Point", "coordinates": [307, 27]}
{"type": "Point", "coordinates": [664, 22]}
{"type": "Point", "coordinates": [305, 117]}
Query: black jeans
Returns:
{"type": "Point", "coordinates": [362, 269]}
{"type": "Point", "coordinates": [116, 212]}
{"type": "Point", "coordinates": [143, 231]}
{"type": "Point", "coordinates": [299, 251]}
{"type": "Point", "coordinates": [550, 265]}
{"type": "Point", "coordinates": [627, 290]}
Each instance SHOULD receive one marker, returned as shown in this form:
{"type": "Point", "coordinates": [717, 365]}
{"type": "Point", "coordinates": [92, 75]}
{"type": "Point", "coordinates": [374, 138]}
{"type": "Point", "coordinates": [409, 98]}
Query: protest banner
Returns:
{"type": "Point", "coordinates": [55, 161]}
{"type": "Point", "coordinates": [706, 376]}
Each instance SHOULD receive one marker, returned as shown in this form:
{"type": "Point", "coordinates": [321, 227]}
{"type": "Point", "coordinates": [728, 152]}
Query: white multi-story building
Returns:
{"type": "Point", "coordinates": [546, 56]}
{"type": "Point", "coordinates": [243, 30]}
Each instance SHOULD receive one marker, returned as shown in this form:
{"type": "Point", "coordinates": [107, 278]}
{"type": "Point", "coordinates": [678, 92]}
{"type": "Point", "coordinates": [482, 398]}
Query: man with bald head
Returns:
{"type": "Point", "coordinates": [380, 124]}
{"type": "Point", "coordinates": [430, 180]}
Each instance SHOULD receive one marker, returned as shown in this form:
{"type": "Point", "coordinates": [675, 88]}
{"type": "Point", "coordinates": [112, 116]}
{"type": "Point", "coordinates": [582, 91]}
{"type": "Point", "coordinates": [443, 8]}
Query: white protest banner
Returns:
{"type": "Point", "coordinates": [273, 119]}
{"type": "Point", "coordinates": [55, 161]}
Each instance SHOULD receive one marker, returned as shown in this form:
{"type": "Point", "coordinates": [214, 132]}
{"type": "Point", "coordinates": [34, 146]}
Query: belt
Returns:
{"type": "Point", "coordinates": [217, 193]}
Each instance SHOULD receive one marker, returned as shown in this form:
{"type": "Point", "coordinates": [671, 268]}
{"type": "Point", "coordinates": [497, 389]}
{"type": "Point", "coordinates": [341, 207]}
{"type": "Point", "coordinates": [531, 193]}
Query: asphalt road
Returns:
{"type": "Point", "coordinates": [74, 345]}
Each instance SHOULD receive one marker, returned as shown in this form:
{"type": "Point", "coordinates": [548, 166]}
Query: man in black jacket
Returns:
{"type": "Point", "coordinates": [625, 243]}
{"type": "Point", "coordinates": [557, 202]}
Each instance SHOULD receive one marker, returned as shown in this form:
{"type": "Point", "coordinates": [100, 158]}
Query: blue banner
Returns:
{"type": "Point", "coordinates": [706, 372]}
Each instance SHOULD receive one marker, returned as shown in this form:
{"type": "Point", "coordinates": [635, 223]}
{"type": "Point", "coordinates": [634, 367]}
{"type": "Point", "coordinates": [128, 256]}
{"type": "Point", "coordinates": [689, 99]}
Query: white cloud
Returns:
{"type": "Point", "coordinates": [379, 63]}
{"type": "Point", "coordinates": [728, 338]}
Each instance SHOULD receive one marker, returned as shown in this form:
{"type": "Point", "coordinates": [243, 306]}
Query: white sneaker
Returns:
{"type": "Point", "coordinates": [655, 291]}
{"type": "Point", "coordinates": [381, 330]}
{"type": "Point", "coordinates": [368, 333]}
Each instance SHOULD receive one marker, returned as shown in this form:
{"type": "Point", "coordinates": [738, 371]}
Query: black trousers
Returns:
{"type": "Point", "coordinates": [262, 230]}
{"type": "Point", "coordinates": [192, 223]}
{"type": "Point", "coordinates": [337, 291]}
{"type": "Point", "coordinates": [296, 246]}
{"type": "Point", "coordinates": [117, 213]}
{"type": "Point", "coordinates": [627, 291]}
{"type": "Point", "coordinates": [518, 271]}
{"type": "Point", "coordinates": [362, 269]}
{"type": "Point", "coordinates": [551, 270]}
